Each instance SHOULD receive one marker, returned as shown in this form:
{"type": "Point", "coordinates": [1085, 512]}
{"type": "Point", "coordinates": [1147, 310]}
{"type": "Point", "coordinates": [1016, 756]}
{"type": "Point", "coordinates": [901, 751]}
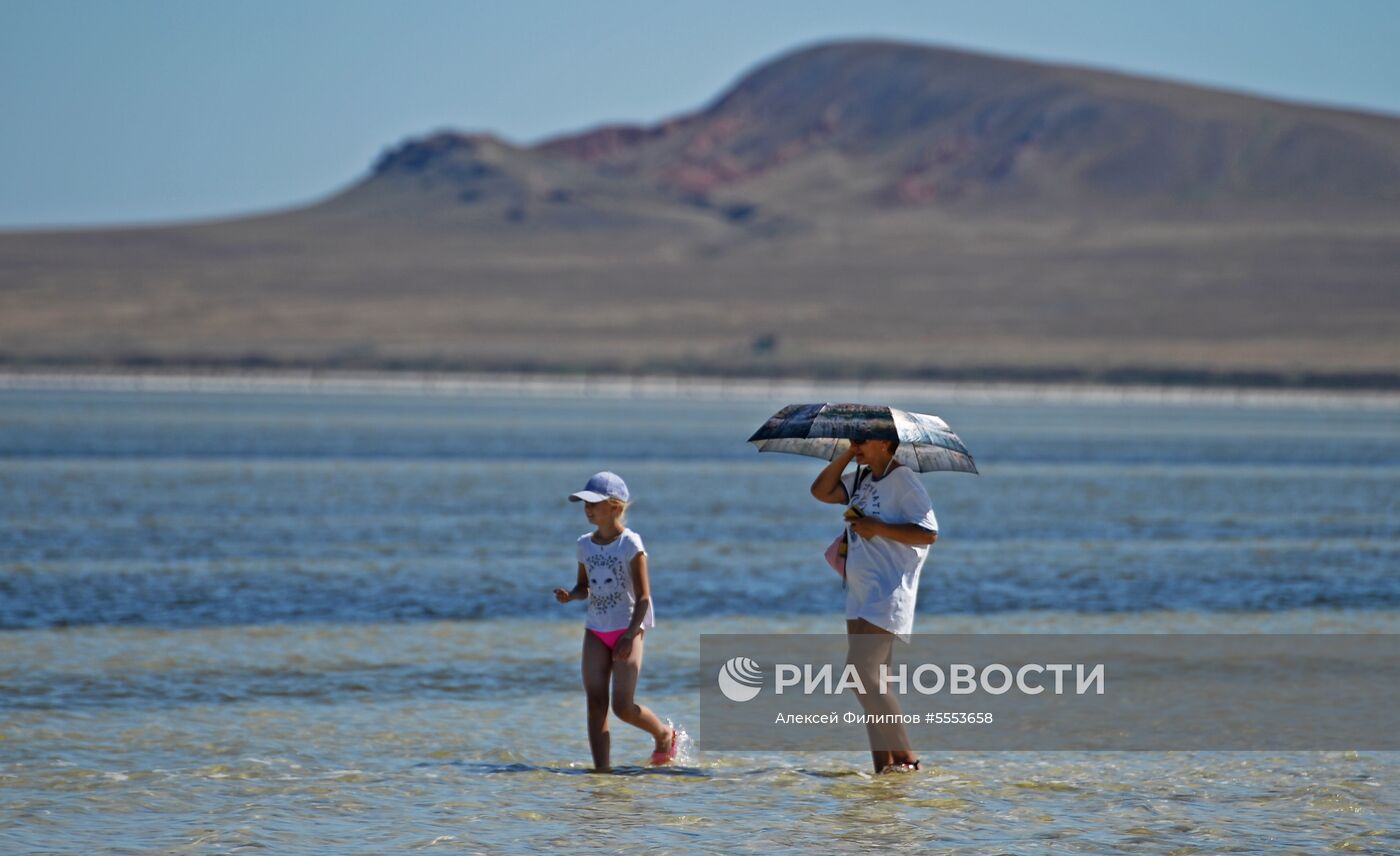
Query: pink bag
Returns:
{"type": "Point", "coordinates": [836, 555]}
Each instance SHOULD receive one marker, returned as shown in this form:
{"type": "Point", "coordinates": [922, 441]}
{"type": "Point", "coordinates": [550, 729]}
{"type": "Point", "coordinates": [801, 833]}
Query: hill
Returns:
{"type": "Point", "coordinates": [855, 209]}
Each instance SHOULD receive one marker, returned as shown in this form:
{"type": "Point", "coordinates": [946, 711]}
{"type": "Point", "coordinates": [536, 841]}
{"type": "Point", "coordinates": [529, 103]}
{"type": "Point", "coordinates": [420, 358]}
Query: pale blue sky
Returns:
{"type": "Point", "coordinates": [158, 110]}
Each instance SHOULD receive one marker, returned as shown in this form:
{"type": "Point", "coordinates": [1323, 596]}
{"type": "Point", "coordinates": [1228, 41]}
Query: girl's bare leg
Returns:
{"type": "Point", "coordinates": [626, 670]}
{"type": "Point", "coordinates": [875, 646]}
{"type": "Point", "coordinates": [597, 668]}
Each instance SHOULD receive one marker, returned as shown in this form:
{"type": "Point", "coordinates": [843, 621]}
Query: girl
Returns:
{"type": "Point", "coordinates": [612, 576]}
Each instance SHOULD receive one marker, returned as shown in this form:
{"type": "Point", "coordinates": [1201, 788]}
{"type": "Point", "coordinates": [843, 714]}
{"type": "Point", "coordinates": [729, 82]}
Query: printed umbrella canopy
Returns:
{"type": "Point", "coordinates": [926, 443]}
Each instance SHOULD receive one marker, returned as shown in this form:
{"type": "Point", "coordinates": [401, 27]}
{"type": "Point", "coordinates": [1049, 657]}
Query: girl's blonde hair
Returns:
{"type": "Point", "coordinates": [621, 508]}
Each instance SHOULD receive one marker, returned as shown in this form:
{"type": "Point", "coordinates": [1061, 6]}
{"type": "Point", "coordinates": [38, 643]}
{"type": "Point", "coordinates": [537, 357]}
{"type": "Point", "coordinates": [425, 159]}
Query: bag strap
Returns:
{"type": "Point", "coordinates": [846, 530]}
{"type": "Point", "coordinates": [861, 472]}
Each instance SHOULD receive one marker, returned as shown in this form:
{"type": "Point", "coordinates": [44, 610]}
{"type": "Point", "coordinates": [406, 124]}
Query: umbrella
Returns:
{"type": "Point", "coordinates": [926, 443]}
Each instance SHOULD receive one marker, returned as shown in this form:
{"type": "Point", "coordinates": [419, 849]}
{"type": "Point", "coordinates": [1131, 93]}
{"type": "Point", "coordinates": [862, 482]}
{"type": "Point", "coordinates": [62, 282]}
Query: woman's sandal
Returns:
{"type": "Point", "coordinates": [666, 756]}
{"type": "Point", "coordinates": [902, 768]}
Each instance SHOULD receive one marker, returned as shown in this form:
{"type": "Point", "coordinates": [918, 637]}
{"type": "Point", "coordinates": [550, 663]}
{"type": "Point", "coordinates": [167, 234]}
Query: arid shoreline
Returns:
{"type": "Point", "coordinates": [671, 386]}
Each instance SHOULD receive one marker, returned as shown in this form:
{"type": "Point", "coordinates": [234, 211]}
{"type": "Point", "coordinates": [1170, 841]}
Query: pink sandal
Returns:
{"type": "Point", "coordinates": [665, 756]}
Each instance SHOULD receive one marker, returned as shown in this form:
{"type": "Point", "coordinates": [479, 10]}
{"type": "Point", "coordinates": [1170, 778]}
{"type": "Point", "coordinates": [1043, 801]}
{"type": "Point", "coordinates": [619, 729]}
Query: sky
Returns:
{"type": "Point", "coordinates": [151, 111]}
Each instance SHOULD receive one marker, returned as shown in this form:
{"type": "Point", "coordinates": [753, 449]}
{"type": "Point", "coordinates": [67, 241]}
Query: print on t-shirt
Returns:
{"type": "Point", "coordinates": [606, 584]}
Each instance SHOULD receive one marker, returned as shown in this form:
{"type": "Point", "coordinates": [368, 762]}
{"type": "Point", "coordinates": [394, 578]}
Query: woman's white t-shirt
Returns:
{"type": "Point", "coordinates": [610, 595]}
{"type": "Point", "coordinates": [882, 575]}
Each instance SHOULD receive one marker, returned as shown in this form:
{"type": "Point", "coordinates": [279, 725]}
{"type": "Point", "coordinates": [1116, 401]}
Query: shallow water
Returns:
{"type": "Point", "coordinates": [304, 624]}
{"type": "Point", "coordinates": [468, 735]}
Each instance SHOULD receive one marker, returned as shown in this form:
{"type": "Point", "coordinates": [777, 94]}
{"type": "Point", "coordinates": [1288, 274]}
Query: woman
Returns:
{"type": "Point", "coordinates": [887, 549]}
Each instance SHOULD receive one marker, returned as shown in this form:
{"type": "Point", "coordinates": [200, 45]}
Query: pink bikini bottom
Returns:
{"type": "Point", "coordinates": [608, 637]}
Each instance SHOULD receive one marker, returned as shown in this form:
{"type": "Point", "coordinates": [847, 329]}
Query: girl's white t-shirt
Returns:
{"type": "Point", "coordinates": [610, 595]}
{"type": "Point", "coordinates": [882, 575]}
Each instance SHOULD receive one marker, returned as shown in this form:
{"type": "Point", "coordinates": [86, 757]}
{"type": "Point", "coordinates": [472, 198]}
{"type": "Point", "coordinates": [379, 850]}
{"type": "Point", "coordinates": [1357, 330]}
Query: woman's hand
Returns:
{"type": "Point", "coordinates": [624, 645]}
{"type": "Point", "coordinates": [563, 595]}
{"type": "Point", "coordinates": [867, 527]}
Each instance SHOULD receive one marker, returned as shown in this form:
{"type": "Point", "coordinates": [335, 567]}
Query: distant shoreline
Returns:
{"type": "Point", "coordinates": [1147, 377]}
{"type": "Point", "coordinates": [618, 385]}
